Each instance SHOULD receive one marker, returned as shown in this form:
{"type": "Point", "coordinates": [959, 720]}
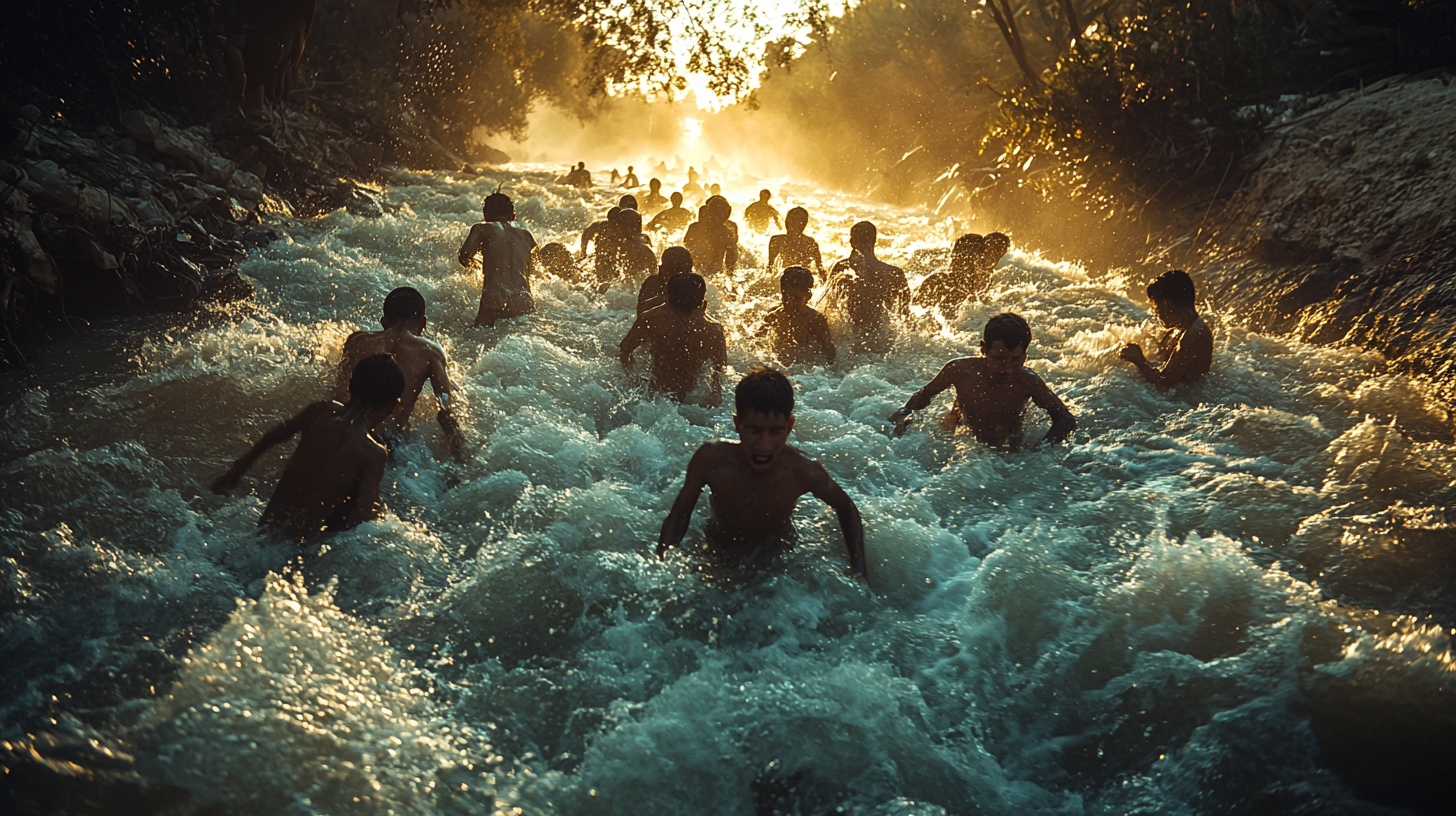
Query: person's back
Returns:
{"type": "Point", "coordinates": [653, 201]}
{"type": "Point", "coordinates": [682, 341]}
{"type": "Point", "coordinates": [332, 480]}
{"type": "Point", "coordinates": [607, 239]}
{"type": "Point", "coordinates": [505, 252]}
{"type": "Point", "coordinates": [992, 390]}
{"type": "Point", "coordinates": [418, 358]}
{"type": "Point", "coordinates": [674, 218]}
{"type": "Point", "coordinates": [870, 290]}
{"type": "Point", "coordinates": [635, 259]}
{"type": "Point", "coordinates": [794, 247]}
{"type": "Point", "coordinates": [797, 332]}
{"type": "Point", "coordinates": [760, 213]}
{"type": "Point", "coordinates": [951, 287]}
{"type": "Point", "coordinates": [713, 239]}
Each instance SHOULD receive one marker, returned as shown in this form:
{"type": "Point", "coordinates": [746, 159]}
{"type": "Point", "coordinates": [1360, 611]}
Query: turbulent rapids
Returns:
{"type": "Point", "coordinates": [1194, 606]}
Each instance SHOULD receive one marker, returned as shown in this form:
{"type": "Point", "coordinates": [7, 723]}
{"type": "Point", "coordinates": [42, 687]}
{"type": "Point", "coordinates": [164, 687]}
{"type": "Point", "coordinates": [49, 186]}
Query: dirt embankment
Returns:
{"type": "Point", "coordinates": [148, 214]}
{"type": "Point", "coordinates": [1343, 231]}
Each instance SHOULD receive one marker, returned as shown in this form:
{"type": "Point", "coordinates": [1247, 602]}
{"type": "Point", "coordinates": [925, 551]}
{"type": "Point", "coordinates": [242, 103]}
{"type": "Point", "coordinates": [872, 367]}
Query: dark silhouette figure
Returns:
{"type": "Point", "coordinates": [265, 44]}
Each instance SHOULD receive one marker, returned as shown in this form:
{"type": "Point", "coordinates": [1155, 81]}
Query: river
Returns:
{"type": "Point", "coordinates": [1228, 598]}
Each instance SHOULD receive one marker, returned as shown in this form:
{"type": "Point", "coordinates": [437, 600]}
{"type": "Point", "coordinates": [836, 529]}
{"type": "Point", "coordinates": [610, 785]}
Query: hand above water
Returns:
{"type": "Point", "coordinates": [1133, 353]}
{"type": "Point", "coordinates": [901, 418]}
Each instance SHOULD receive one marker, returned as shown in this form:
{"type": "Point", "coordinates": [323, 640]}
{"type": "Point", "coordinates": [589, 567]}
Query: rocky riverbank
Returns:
{"type": "Point", "coordinates": [148, 214]}
{"type": "Point", "coordinates": [1343, 232]}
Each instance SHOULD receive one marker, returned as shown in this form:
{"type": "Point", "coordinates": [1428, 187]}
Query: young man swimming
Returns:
{"type": "Point", "coordinates": [798, 333]}
{"type": "Point", "coordinates": [675, 261]}
{"type": "Point", "coordinates": [870, 291]}
{"type": "Point", "coordinates": [992, 390]}
{"type": "Point", "coordinates": [683, 340]}
{"type": "Point", "coordinates": [793, 247]}
{"type": "Point", "coordinates": [420, 359]}
{"type": "Point", "coordinates": [332, 480]}
{"type": "Point", "coordinates": [1187, 347]}
{"type": "Point", "coordinates": [756, 482]}
{"type": "Point", "coordinates": [506, 261]}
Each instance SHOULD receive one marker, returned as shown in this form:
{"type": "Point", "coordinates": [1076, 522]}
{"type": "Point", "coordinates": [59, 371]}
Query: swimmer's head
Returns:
{"type": "Point", "coordinates": [796, 220]}
{"type": "Point", "coordinates": [764, 195]}
{"type": "Point", "coordinates": [796, 283]}
{"type": "Point", "coordinates": [655, 185]}
{"type": "Point", "coordinates": [715, 188]}
{"type": "Point", "coordinates": [676, 199]}
{"type": "Point", "coordinates": [719, 206]}
{"type": "Point", "coordinates": [404, 306]}
{"type": "Point", "coordinates": [862, 236]}
{"type": "Point", "coordinates": [613, 214]}
{"type": "Point", "coordinates": [498, 207]}
{"type": "Point", "coordinates": [377, 381]}
{"type": "Point", "coordinates": [676, 261]}
{"type": "Point", "coordinates": [629, 168]}
{"type": "Point", "coordinates": [1005, 341]}
{"type": "Point", "coordinates": [556, 259]}
{"type": "Point", "coordinates": [1174, 287]}
{"type": "Point", "coordinates": [627, 202]}
{"type": "Point", "coordinates": [581, 165]}
{"type": "Point", "coordinates": [997, 245]}
{"type": "Point", "coordinates": [629, 222]}
{"type": "Point", "coordinates": [966, 252]}
{"type": "Point", "coordinates": [766, 391]}
{"type": "Point", "coordinates": [685, 292]}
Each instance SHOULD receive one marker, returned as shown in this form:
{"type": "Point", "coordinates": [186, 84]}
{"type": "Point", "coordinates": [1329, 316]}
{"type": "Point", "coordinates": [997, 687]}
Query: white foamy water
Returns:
{"type": "Point", "coordinates": [1207, 602]}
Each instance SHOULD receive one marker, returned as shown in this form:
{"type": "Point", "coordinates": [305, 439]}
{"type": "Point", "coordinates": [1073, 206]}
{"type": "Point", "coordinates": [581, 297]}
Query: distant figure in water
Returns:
{"type": "Point", "coordinates": [635, 258]}
{"type": "Point", "coordinates": [794, 247]}
{"type": "Point", "coordinates": [1187, 346]}
{"type": "Point", "coordinates": [713, 239]}
{"type": "Point", "coordinates": [992, 390]}
{"type": "Point", "coordinates": [627, 202]}
{"type": "Point", "coordinates": [683, 340]}
{"type": "Point", "coordinates": [675, 261]}
{"type": "Point", "coordinates": [693, 191]}
{"type": "Point", "coordinates": [607, 238]}
{"type": "Point", "coordinates": [404, 321]}
{"type": "Point", "coordinates": [630, 180]}
{"type": "Point", "coordinates": [616, 177]}
{"type": "Point", "coordinates": [653, 200]}
{"type": "Point", "coordinates": [956, 284]}
{"type": "Point", "coordinates": [505, 255]}
{"type": "Point", "coordinates": [556, 259]}
{"type": "Point", "coordinates": [755, 483]}
{"type": "Point", "coordinates": [869, 290]}
{"type": "Point", "coordinates": [579, 177]}
{"type": "Point", "coordinates": [715, 189]}
{"type": "Point", "coordinates": [673, 219]}
{"type": "Point", "coordinates": [758, 214]}
{"type": "Point", "coordinates": [797, 332]}
{"type": "Point", "coordinates": [332, 480]}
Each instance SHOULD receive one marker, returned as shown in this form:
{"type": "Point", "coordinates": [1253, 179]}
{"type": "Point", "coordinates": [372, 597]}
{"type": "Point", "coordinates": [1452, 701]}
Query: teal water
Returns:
{"type": "Point", "coordinates": [1230, 598]}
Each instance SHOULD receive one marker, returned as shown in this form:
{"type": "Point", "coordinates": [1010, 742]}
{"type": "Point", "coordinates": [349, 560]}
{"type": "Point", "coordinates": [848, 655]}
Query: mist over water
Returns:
{"type": "Point", "coordinates": [1194, 607]}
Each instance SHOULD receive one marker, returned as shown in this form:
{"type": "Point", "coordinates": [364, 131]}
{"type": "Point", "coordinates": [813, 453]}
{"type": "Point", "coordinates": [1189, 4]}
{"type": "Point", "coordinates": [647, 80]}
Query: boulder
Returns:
{"type": "Point", "coordinates": [141, 126]}
{"type": "Point", "coordinates": [39, 269]}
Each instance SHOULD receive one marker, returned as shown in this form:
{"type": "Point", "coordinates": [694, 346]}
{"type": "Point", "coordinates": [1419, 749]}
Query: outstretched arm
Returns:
{"type": "Point", "coordinates": [850, 523]}
{"type": "Point", "coordinates": [276, 435]}
{"type": "Point", "coordinates": [445, 393]}
{"type": "Point", "coordinates": [675, 526]}
{"type": "Point", "coordinates": [636, 336]}
{"type": "Point", "coordinates": [1063, 423]}
{"type": "Point", "coordinates": [920, 399]}
{"type": "Point", "coordinates": [474, 245]}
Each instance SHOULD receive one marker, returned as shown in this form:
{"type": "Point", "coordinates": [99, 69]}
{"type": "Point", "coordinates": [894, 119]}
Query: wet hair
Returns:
{"type": "Point", "coordinates": [685, 292]}
{"type": "Point", "coordinates": [1008, 327]}
{"type": "Point", "coordinates": [676, 199]}
{"type": "Point", "coordinates": [627, 202]}
{"type": "Point", "coordinates": [498, 207]}
{"type": "Point", "coordinates": [863, 232]}
{"type": "Point", "coordinates": [613, 214]}
{"type": "Point", "coordinates": [764, 195]}
{"type": "Point", "coordinates": [557, 260]}
{"type": "Point", "coordinates": [630, 221]}
{"type": "Point", "coordinates": [376, 380]}
{"type": "Point", "coordinates": [797, 278]}
{"type": "Point", "coordinates": [796, 215]}
{"type": "Point", "coordinates": [765, 390]}
{"type": "Point", "coordinates": [404, 303]}
{"type": "Point", "coordinates": [1175, 287]}
{"type": "Point", "coordinates": [719, 205]}
{"type": "Point", "coordinates": [997, 244]}
{"type": "Point", "coordinates": [676, 260]}
{"type": "Point", "coordinates": [967, 250]}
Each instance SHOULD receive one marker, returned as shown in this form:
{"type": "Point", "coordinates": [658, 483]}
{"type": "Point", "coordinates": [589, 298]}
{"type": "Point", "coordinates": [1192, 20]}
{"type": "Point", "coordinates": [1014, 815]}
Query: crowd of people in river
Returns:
{"type": "Point", "coordinates": [332, 481]}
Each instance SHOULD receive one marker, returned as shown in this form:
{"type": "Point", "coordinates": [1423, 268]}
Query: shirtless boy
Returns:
{"type": "Point", "coordinates": [420, 359]}
{"type": "Point", "coordinates": [653, 200]}
{"type": "Point", "coordinates": [673, 218]}
{"type": "Point", "coordinates": [992, 390]}
{"type": "Point", "coordinates": [332, 480]}
{"type": "Point", "coordinates": [675, 261]}
{"type": "Point", "coordinates": [798, 333]}
{"type": "Point", "coordinates": [1187, 347]}
{"type": "Point", "coordinates": [755, 483]}
{"type": "Point", "coordinates": [683, 340]}
{"type": "Point", "coordinates": [506, 260]}
{"type": "Point", "coordinates": [713, 239]}
{"type": "Point", "coordinates": [949, 288]}
{"type": "Point", "coordinates": [793, 246]}
{"type": "Point", "coordinates": [870, 290]}
{"type": "Point", "coordinates": [758, 214]}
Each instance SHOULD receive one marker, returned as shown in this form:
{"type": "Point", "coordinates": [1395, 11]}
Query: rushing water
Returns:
{"type": "Point", "coordinates": [1195, 607]}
